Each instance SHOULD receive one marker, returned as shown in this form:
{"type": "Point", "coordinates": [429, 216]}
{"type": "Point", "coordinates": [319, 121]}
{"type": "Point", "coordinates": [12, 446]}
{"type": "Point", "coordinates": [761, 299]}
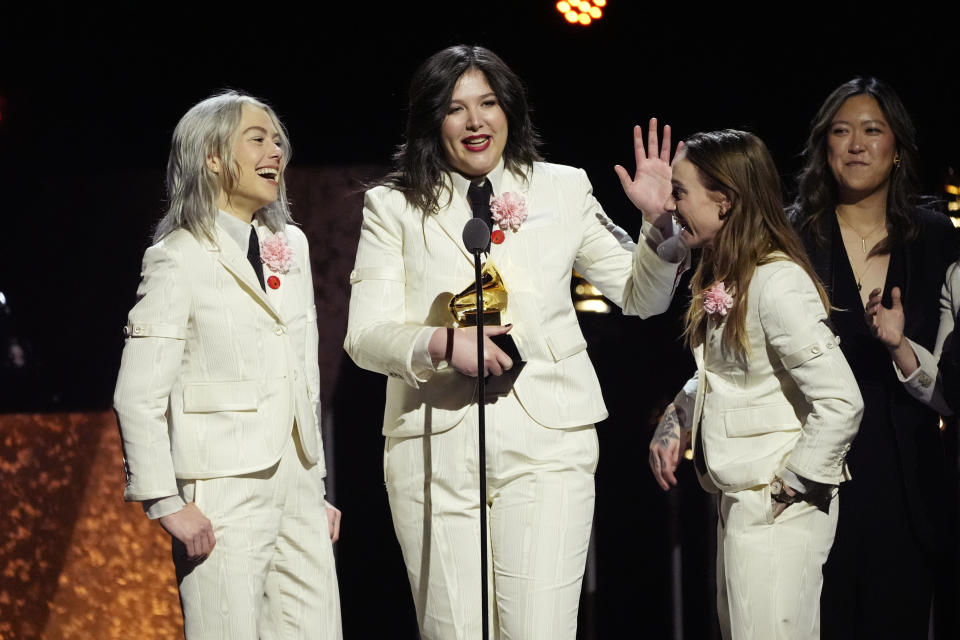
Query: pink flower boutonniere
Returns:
{"type": "Point", "coordinates": [717, 300]}
{"type": "Point", "coordinates": [508, 210]}
{"type": "Point", "coordinates": [276, 253]}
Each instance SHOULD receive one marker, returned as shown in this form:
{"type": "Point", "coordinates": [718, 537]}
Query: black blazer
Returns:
{"type": "Point", "coordinates": [918, 268]}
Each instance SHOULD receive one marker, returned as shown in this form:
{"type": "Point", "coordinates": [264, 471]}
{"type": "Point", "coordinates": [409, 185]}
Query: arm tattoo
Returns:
{"type": "Point", "coordinates": [668, 429]}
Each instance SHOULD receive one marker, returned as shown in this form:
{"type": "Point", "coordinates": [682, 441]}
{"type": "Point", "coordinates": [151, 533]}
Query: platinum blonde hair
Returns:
{"type": "Point", "coordinates": [210, 128]}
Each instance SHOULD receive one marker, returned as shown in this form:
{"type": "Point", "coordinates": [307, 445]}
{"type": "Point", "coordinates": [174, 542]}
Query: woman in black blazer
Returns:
{"type": "Point", "coordinates": [857, 211]}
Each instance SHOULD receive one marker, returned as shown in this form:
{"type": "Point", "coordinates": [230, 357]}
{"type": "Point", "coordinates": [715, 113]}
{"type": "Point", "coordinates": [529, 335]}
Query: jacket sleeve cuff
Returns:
{"type": "Point", "coordinates": [685, 402]}
{"type": "Point", "coordinates": [159, 507]}
{"type": "Point", "coordinates": [421, 364]}
{"type": "Point", "coordinates": [920, 384]}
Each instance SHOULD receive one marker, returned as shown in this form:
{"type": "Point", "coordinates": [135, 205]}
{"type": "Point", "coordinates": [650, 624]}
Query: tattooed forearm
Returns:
{"type": "Point", "coordinates": [669, 427]}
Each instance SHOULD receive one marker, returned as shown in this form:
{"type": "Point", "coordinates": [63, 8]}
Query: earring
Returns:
{"type": "Point", "coordinates": [896, 159]}
{"type": "Point", "coordinates": [722, 213]}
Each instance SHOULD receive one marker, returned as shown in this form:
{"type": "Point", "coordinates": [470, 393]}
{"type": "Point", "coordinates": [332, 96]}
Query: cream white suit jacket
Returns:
{"type": "Point", "coordinates": [924, 383]}
{"type": "Point", "coordinates": [793, 403]}
{"type": "Point", "coordinates": [215, 370]}
{"type": "Point", "coordinates": [409, 264]}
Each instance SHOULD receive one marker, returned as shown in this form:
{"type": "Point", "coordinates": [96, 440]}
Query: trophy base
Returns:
{"type": "Point", "coordinates": [490, 319]}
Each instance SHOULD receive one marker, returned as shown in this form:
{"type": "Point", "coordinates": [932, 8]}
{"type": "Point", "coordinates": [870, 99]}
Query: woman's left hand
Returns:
{"type": "Point", "coordinates": [650, 186]}
{"type": "Point", "coordinates": [333, 521]}
{"type": "Point", "coordinates": [886, 324]}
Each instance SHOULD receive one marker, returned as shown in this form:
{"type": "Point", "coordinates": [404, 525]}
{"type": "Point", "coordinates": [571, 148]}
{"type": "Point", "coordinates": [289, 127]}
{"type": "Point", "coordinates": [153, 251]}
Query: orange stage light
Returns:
{"type": "Point", "coordinates": [582, 12]}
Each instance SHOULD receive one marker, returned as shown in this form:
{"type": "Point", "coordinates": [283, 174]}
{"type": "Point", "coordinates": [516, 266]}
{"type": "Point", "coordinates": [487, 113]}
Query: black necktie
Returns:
{"type": "Point", "coordinates": [253, 255]}
{"type": "Point", "coordinates": [479, 197]}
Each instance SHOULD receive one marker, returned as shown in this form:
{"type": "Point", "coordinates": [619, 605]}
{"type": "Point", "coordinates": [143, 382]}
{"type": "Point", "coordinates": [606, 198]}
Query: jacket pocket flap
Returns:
{"type": "Point", "coordinates": [752, 421]}
{"type": "Point", "coordinates": [566, 342]}
{"type": "Point", "coordinates": [209, 397]}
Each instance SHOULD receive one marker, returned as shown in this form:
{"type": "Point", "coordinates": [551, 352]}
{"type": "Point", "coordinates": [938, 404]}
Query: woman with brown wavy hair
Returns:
{"type": "Point", "coordinates": [773, 406]}
{"type": "Point", "coordinates": [858, 214]}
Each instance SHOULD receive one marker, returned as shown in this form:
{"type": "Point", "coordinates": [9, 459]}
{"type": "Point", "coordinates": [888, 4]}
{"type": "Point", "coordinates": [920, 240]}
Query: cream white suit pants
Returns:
{"type": "Point", "coordinates": [540, 496]}
{"type": "Point", "coordinates": [770, 571]}
{"type": "Point", "coordinates": [271, 575]}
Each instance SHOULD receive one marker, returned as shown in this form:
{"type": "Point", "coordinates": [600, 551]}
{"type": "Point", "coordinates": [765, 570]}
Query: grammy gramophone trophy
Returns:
{"type": "Point", "coordinates": [463, 308]}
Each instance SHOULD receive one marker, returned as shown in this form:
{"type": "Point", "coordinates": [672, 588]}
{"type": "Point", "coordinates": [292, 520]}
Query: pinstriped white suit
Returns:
{"type": "Point", "coordinates": [218, 401]}
{"type": "Point", "coordinates": [542, 448]}
{"type": "Point", "coordinates": [793, 403]}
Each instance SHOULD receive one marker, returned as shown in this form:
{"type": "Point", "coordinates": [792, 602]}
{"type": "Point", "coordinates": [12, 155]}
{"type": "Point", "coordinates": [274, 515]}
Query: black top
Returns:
{"type": "Point", "coordinates": [897, 455]}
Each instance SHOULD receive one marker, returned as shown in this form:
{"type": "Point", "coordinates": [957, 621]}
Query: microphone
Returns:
{"type": "Point", "coordinates": [476, 235]}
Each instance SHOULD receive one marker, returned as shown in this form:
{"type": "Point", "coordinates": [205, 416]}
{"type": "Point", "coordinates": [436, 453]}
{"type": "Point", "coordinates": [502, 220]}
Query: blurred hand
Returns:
{"type": "Point", "coordinates": [333, 521]}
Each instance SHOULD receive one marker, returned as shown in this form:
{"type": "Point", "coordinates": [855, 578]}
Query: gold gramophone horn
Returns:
{"type": "Point", "coordinates": [463, 306]}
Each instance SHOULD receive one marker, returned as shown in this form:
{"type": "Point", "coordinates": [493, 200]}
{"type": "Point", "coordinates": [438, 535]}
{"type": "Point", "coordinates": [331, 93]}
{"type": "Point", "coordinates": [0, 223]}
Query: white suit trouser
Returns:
{"type": "Point", "coordinates": [540, 496]}
{"type": "Point", "coordinates": [271, 574]}
{"type": "Point", "coordinates": [770, 572]}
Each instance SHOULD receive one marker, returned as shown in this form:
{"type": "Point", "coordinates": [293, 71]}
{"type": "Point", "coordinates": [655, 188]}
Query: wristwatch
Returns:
{"type": "Point", "coordinates": [779, 494]}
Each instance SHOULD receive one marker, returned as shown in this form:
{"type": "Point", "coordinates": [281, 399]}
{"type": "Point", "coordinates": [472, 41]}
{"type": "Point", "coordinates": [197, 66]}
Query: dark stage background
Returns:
{"type": "Point", "coordinates": [89, 98]}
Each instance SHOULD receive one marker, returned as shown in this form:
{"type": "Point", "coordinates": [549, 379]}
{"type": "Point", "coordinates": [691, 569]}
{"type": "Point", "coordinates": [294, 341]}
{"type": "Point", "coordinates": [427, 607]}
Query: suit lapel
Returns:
{"type": "Point", "coordinates": [451, 219]}
{"type": "Point", "coordinates": [235, 261]}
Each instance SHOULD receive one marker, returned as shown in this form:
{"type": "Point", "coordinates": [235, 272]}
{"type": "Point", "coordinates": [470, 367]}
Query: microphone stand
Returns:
{"type": "Point", "coordinates": [476, 236]}
{"type": "Point", "coordinates": [482, 462]}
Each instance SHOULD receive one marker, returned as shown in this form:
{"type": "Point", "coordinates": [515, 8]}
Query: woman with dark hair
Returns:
{"type": "Point", "coordinates": [858, 213]}
{"type": "Point", "coordinates": [774, 405]}
{"type": "Point", "coordinates": [471, 150]}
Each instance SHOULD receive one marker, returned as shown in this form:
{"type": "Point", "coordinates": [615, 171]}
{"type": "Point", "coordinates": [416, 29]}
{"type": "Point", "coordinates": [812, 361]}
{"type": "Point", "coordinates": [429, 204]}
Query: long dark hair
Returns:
{"type": "Point", "coordinates": [817, 188]}
{"type": "Point", "coordinates": [738, 165]}
{"type": "Point", "coordinates": [420, 162]}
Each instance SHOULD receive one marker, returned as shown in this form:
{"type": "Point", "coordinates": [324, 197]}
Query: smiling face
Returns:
{"type": "Point", "coordinates": [474, 131]}
{"type": "Point", "coordinates": [258, 161]}
{"type": "Point", "coordinates": [860, 149]}
{"type": "Point", "coordinates": [696, 209]}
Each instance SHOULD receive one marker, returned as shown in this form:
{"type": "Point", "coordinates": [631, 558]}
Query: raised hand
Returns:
{"type": "Point", "coordinates": [650, 186]}
{"type": "Point", "coordinates": [665, 447]}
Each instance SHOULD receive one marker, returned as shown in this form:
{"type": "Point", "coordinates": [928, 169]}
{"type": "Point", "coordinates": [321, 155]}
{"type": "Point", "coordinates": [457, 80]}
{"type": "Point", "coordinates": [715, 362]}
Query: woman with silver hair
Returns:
{"type": "Point", "coordinates": [218, 392]}
{"type": "Point", "coordinates": [471, 151]}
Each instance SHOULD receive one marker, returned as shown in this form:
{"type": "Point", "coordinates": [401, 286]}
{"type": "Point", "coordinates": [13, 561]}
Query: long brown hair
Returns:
{"type": "Point", "coordinates": [738, 165]}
